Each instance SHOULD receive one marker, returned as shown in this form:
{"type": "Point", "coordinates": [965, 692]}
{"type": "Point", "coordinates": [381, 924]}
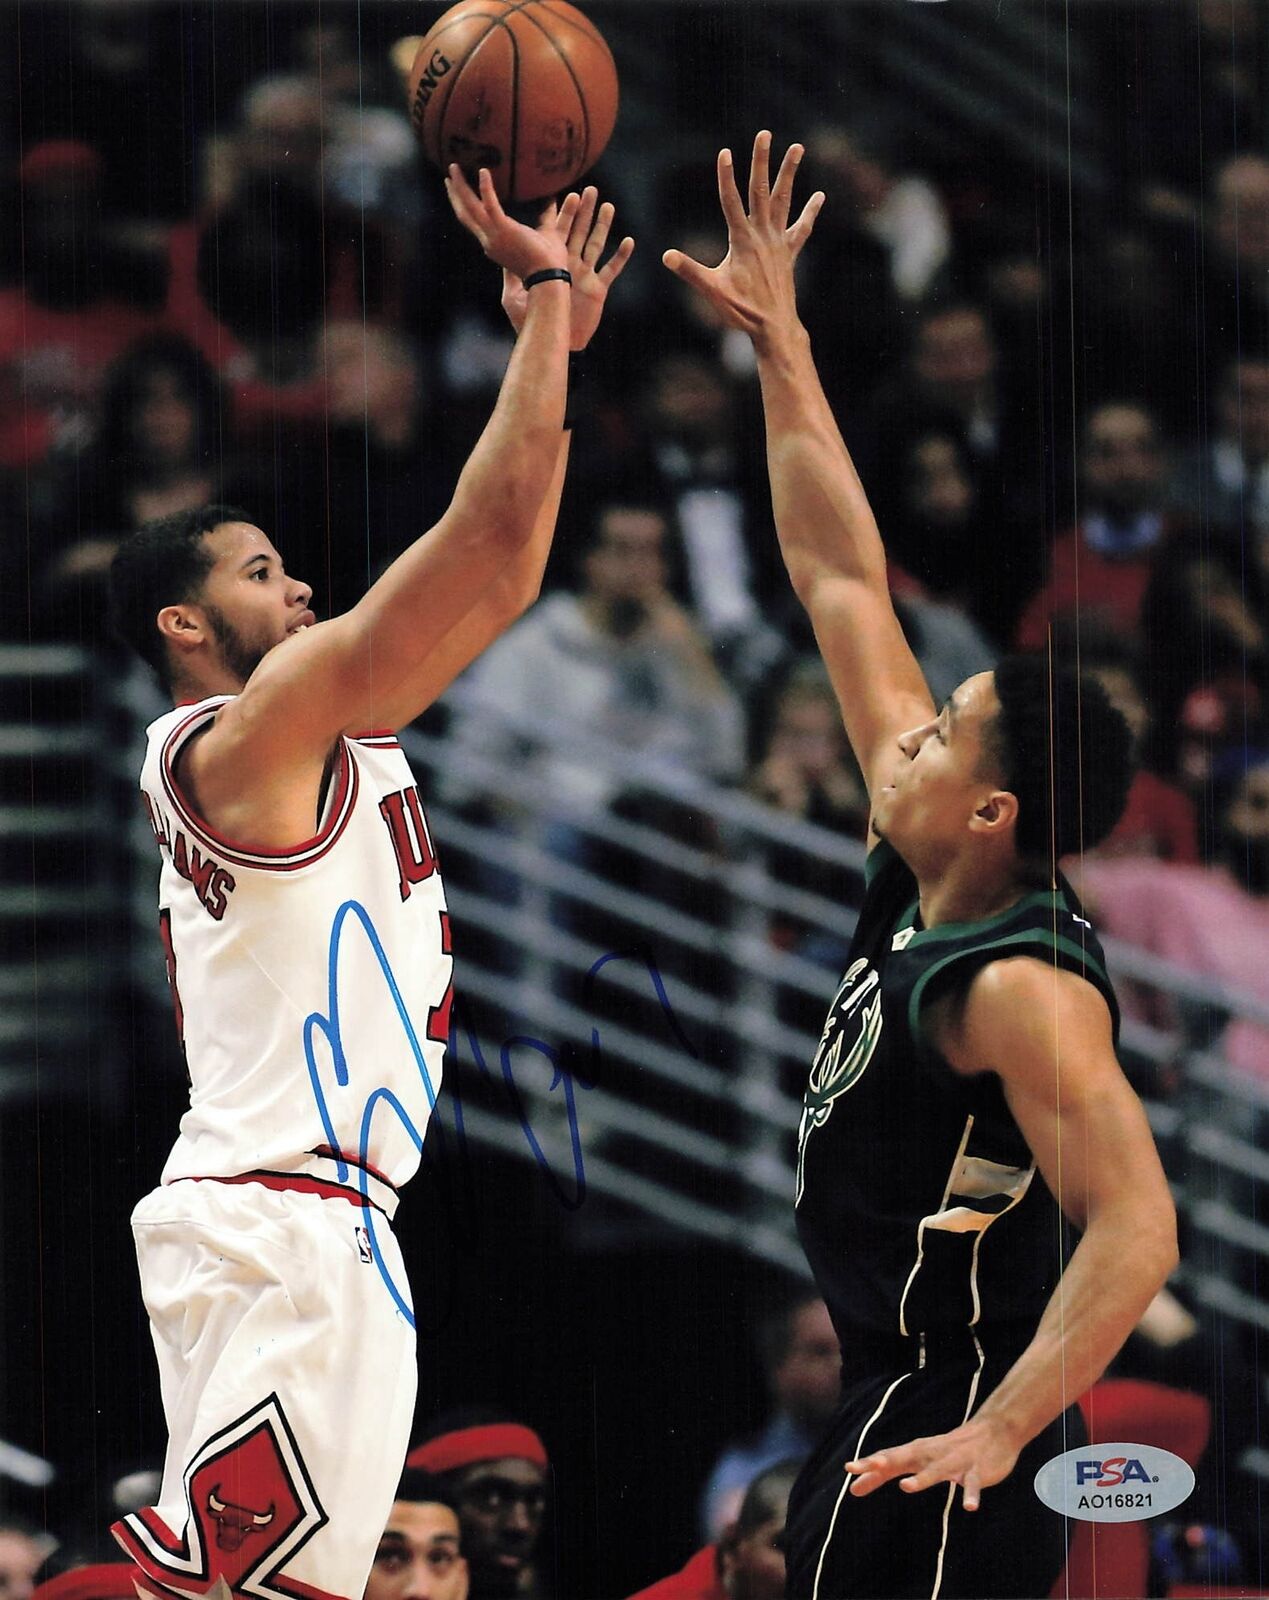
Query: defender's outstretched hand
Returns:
{"type": "Point", "coordinates": [975, 1455]}
{"type": "Point", "coordinates": [585, 232]}
{"type": "Point", "coordinates": [753, 285]}
{"type": "Point", "coordinates": [511, 244]}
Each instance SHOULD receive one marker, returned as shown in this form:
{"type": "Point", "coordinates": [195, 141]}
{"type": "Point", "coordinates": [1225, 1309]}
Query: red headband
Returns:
{"type": "Point", "coordinates": [449, 1451]}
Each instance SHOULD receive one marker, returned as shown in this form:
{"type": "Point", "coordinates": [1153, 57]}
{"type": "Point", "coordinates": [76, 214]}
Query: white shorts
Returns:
{"type": "Point", "coordinates": [288, 1376]}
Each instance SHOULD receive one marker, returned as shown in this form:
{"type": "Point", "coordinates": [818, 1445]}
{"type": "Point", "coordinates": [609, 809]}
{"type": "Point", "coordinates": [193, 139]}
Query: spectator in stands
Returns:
{"type": "Point", "coordinates": [381, 463]}
{"type": "Point", "coordinates": [1213, 921]}
{"type": "Point", "coordinates": [954, 367]}
{"type": "Point", "coordinates": [160, 432]}
{"type": "Point", "coordinates": [1211, 727]}
{"type": "Point", "coordinates": [620, 661]}
{"type": "Point", "coordinates": [802, 1363]}
{"type": "Point", "coordinates": [419, 1555]}
{"type": "Point", "coordinates": [900, 210]}
{"type": "Point", "coordinates": [1102, 565]}
{"type": "Point", "coordinates": [806, 767]}
{"type": "Point", "coordinates": [928, 510]}
{"type": "Point", "coordinates": [747, 1561]}
{"type": "Point", "coordinates": [114, 52]}
{"type": "Point", "coordinates": [1236, 279]}
{"type": "Point", "coordinates": [1224, 483]}
{"type": "Point", "coordinates": [21, 1552]}
{"type": "Point", "coordinates": [953, 382]}
{"type": "Point", "coordinates": [1203, 624]}
{"type": "Point", "coordinates": [495, 1471]}
{"type": "Point", "coordinates": [806, 770]}
{"type": "Point", "coordinates": [163, 443]}
{"type": "Point", "coordinates": [70, 316]}
{"type": "Point", "coordinates": [1159, 818]}
{"type": "Point", "coordinates": [693, 452]}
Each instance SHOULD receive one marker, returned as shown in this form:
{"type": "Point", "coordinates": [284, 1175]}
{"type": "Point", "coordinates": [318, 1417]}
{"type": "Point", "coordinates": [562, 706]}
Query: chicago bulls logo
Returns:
{"type": "Point", "coordinates": [236, 1522]}
{"type": "Point", "coordinates": [251, 1506]}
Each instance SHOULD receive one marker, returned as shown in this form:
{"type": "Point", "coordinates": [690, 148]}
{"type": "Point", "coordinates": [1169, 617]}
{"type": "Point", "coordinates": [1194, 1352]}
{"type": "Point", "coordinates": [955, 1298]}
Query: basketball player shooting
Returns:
{"type": "Point", "coordinates": [966, 1079]}
{"type": "Point", "coordinates": [308, 950]}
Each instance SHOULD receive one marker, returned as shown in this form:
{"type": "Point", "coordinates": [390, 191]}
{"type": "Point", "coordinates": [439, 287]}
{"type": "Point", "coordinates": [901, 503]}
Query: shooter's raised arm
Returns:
{"type": "Point", "coordinates": [827, 532]}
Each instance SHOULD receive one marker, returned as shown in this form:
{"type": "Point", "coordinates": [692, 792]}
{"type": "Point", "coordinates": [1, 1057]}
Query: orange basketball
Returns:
{"type": "Point", "coordinates": [526, 88]}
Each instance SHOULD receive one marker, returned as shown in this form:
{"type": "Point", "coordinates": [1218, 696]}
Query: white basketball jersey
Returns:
{"type": "Point", "coordinates": [312, 986]}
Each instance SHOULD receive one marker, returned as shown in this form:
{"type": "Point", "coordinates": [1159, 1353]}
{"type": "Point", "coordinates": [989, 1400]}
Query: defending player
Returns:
{"type": "Point", "coordinates": [967, 1073]}
{"type": "Point", "coordinates": [308, 948]}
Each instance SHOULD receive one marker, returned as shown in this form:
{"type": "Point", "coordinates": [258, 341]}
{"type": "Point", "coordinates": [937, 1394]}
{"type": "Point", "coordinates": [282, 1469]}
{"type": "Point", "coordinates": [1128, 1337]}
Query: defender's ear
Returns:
{"type": "Point", "coordinates": [997, 813]}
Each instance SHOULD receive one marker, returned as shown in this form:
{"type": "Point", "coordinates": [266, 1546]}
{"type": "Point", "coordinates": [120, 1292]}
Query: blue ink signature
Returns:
{"type": "Point", "coordinates": [565, 1077]}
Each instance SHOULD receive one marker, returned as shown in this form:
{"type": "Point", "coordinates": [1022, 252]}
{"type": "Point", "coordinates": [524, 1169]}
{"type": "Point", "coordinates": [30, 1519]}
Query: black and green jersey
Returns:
{"type": "Point", "coordinates": [919, 1204]}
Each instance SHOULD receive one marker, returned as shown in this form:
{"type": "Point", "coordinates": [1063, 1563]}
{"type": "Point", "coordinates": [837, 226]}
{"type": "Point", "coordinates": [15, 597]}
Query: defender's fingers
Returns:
{"type": "Point", "coordinates": [971, 1494]}
{"type": "Point", "coordinates": [729, 194]}
{"type": "Point", "coordinates": [782, 189]}
{"type": "Point", "coordinates": [692, 272]}
{"type": "Point", "coordinates": [760, 177]}
{"type": "Point", "coordinates": [800, 232]}
{"type": "Point", "coordinates": [598, 237]}
{"type": "Point", "coordinates": [615, 264]}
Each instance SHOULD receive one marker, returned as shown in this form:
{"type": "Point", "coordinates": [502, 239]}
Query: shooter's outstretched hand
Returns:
{"type": "Point", "coordinates": [513, 245]}
{"type": "Point", "coordinates": [752, 287]}
{"type": "Point", "coordinates": [585, 232]}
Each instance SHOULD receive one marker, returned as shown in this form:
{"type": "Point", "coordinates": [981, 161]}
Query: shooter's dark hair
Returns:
{"type": "Point", "coordinates": [163, 564]}
{"type": "Point", "coordinates": [1063, 749]}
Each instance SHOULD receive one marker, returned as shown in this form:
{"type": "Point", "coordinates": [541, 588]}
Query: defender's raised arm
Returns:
{"type": "Point", "coordinates": [827, 532]}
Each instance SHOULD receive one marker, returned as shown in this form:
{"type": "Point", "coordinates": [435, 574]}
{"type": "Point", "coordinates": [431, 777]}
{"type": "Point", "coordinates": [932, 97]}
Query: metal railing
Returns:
{"type": "Point", "coordinates": [636, 1003]}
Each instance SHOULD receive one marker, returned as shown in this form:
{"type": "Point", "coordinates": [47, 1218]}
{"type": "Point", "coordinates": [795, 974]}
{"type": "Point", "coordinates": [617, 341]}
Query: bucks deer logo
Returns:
{"type": "Point", "coordinates": [846, 1046]}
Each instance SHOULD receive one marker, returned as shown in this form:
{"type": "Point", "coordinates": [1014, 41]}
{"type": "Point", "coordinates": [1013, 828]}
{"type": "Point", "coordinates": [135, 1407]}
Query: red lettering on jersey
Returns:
{"type": "Point", "coordinates": [438, 1016]}
{"type": "Point", "coordinates": [210, 882]}
{"type": "Point", "coordinates": [416, 857]}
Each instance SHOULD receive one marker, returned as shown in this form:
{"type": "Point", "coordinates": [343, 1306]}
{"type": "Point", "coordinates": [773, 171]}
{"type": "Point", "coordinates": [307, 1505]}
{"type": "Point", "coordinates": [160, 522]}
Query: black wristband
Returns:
{"type": "Point", "coordinates": [574, 400]}
{"type": "Point", "coordinates": [546, 275]}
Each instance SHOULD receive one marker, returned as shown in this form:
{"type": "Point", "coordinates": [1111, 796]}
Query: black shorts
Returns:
{"type": "Point", "coordinates": [891, 1544]}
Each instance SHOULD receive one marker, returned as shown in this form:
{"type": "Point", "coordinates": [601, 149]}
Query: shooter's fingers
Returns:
{"type": "Point", "coordinates": [582, 219]}
{"type": "Point", "coordinates": [616, 263]}
{"type": "Point", "coordinates": [598, 237]}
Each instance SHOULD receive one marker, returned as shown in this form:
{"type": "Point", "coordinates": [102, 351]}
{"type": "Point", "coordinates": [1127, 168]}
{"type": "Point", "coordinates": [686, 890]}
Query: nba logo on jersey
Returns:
{"type": "Point", "coordinates": [364, 1248]}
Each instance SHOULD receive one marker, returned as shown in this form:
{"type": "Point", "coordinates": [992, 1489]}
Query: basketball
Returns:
{"type": "Point", "coordinates": [527, 88]}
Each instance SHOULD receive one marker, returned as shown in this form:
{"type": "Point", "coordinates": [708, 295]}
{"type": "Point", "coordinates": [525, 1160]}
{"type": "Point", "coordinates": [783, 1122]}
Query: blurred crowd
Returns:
{"type": "Point", "coordinates": [475, 1511]}
{"type": "Point", "coordinates": [1065, 447]}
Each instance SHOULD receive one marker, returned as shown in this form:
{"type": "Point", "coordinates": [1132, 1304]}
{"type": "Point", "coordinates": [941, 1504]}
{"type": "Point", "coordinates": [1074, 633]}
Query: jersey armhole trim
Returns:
{"type": "Point", "coordinates": [1051, 942]}
{"type": "Point", "coordinates": [338, 811]}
